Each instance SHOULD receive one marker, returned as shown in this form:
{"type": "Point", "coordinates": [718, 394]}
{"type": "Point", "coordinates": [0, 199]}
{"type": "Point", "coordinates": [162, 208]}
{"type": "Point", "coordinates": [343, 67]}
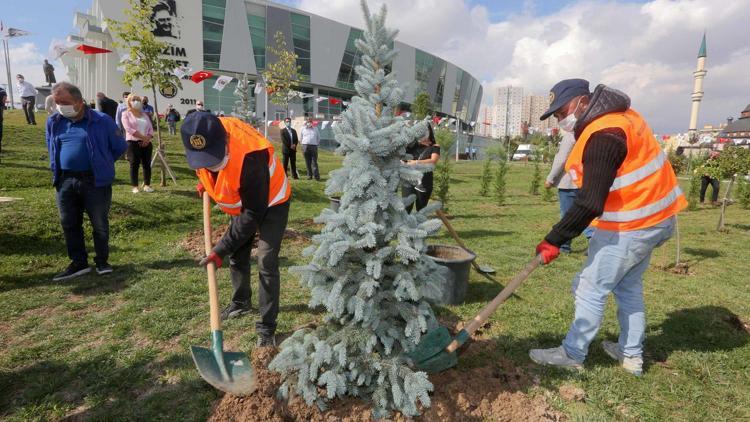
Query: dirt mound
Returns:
{"type": "Point", "coordinates": [458, 397]}
{"type": "Point", "coordinates": [193, 242]}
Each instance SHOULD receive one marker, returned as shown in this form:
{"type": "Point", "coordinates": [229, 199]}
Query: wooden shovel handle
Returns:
{"type": "Point", "coordinates": [497, 301]}
{"type": "Point", "coordinates": [213, 292]}
{"type": "Point", "coordinates": [450, 228]}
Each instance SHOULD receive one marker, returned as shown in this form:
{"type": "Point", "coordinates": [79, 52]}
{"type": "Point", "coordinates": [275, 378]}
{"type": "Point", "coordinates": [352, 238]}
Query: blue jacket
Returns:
{"type": "Point", "coordinates": [104, 142]}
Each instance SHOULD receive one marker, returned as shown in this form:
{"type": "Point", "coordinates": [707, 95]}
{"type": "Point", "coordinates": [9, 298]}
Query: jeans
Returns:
{"type": "Point", "coordinates": [290, 157]}
{"type": "Point", "coordinates": [27, 103]}
{"type": "Point", "coordinates": [76, 193]}
{"type": "Point", "coordinates": [567, 197]}
{"type": "Point", "coordinates": [422, 197]}
{"type": "Point", "coordinates": [138, 155]}
{"type": "Point", "coordinates": [616, 263]}
{"type": "Point", "coordinates": [269, 245]}
{"type": "Point", "coordinates": [311, 160]}
{"type": "Point", "coordinates": [172, 127]}
{"type": "Point", "coordinates": [715, 185]}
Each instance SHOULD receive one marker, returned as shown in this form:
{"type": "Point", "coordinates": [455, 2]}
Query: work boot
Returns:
{"type": "Point", "coordinates": [234, 310]}
{"type": "Point", "coordinates": [103, 269]}
{"type": "Point", "coordinates": [74, 270]}
{"type": "Point", "coordinates": [555, 357]}
{"type": "Point", "coordinates": [633, 365]}
{"type": "Point", "coordinates": [266, 340]}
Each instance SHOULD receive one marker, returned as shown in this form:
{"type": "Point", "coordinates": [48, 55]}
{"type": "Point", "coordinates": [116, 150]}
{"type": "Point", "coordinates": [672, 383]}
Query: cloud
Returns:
{"type": "Point", "coordinates": [647, 50]}
{"type": "Point", "coordinates": [25, 59]}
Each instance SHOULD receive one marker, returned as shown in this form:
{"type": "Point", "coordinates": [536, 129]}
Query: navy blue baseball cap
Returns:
{"type": "Point", "coordinates": [563, 92]}
{"type": "Point", "coordinates": [205, 140]}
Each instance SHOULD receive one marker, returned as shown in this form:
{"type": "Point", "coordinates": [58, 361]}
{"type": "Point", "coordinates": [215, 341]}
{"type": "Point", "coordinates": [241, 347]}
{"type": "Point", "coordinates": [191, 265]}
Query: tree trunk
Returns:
{"type": "Point", "coordinates": [724, 201]}
{"type": "Point", "coordinates": [158, 136]}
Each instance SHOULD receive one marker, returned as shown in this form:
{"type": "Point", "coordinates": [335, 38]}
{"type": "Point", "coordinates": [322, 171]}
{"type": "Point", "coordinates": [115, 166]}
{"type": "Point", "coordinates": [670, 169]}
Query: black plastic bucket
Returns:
{"type": "Point", "coordinates": [335, 203]}
{"type": "Point", "coordinates": [458, 262]}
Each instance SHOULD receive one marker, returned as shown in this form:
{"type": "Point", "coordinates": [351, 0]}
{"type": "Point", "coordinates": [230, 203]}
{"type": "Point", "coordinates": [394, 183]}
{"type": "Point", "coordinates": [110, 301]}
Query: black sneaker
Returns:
{"type": "Point", "coordinates": [234, 310]}
{"type": "Point", "coordinates": [102, 269]}
{"type": "Point", "coordinates": [266, 340]}
{"type": "Point", "coordinates": [74, 270]}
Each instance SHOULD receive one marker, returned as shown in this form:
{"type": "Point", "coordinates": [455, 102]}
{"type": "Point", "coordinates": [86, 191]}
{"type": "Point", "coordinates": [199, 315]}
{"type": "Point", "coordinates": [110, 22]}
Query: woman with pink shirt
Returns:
{"type": "Point", "coordinates": [138, 134]}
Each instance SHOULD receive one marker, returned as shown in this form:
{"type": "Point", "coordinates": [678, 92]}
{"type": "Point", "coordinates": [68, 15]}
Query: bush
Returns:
{"type": "Point", "coordinates": [502, 170]}
{"type": "Point", "coordinates": [694, 193]}
{"type": "Point", "coordinates": [536, 179]}
{"type": "Point", "coordinates": [443, 181]}
{"type": "Point", "coordinates": [679, 162]}
{"type": "Point", "coordinates": [743, 192]}
{"type": "Point", "coordinates": [484, 188]}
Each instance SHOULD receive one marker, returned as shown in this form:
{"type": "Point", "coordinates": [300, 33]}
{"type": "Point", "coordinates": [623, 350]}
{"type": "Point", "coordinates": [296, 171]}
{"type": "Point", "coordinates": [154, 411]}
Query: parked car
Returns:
{"type": "Point", "coordinates": [524, 152]}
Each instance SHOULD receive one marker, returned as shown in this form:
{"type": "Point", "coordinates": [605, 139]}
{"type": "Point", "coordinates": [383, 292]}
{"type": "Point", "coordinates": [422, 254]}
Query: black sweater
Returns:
{"type": "Point", "coordinates": [604, 154]}
{"type": "Point", "coordinates": [254, 185]}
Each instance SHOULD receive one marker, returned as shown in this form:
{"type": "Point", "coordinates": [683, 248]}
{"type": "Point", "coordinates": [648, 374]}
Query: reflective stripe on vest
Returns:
{"type": "Point", "coordinates": [282, 192]}
{"type": "Point", "coordinates": [647, 211]}
{"type": "Point", "coordinates": [639, 174]}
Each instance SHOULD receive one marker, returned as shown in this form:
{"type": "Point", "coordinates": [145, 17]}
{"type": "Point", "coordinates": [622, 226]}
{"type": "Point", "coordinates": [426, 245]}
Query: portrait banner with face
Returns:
{"type": "Point", "coordinates": [164, 19]}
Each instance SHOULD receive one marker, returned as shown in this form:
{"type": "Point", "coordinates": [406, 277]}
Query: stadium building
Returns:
{"type": "Point", "coordinates": [229, 37]}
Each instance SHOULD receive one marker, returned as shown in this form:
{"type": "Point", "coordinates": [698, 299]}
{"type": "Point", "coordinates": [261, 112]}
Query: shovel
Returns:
{"type": "Point", "coordinates": [437, 350]}
{"type": "Point", "coordinates": [481, 269]}
{"type": "Point", "coordinates": [230, 372]}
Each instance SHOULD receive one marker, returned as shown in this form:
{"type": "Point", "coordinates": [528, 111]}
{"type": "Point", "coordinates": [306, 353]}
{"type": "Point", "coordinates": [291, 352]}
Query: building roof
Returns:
{"type": "Point", "coordinates": [702, 51]}
{"type": "Point", "coordinates": [739, 125]}
{"type": "Point", "coordinates": [747, 109]}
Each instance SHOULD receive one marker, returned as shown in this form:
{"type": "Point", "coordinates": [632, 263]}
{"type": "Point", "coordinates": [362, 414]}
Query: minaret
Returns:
{"type": "Point", "coordinates": [698, 75]}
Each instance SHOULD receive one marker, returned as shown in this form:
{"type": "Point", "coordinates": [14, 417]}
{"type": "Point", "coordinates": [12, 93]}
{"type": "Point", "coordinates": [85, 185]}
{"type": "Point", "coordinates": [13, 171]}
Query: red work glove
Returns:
{"type": "Point", "coordinates": [212, 257]}
{"type": "Point", "coordinates": [547, 251]}
{"type": "Point", "coordinates": [199, 187]}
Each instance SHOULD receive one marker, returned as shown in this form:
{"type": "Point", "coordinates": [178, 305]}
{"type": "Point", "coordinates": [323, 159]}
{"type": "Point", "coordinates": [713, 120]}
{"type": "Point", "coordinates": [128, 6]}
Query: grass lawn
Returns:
{"type": "Point", "coordinates": [117, 347]}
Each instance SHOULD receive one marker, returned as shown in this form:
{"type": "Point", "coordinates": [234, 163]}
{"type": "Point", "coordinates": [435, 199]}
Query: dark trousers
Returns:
{"type": "Point", "coordinates": [311, 160]}
{"type": "Point", "coordinates": [172, 127]}
{"type": "Point", "coordinates": [290, 157]}
{"type": "Point", "coordinates": [271, 232]}
{"type": "Point", "coordinates": [77, 194]}
{"type": "Point", "coordinates": [138, 155]}
{"type": "Point", "coordinates": [422, 197]}
{"type": "Point", "coordinates": [715, 185]}
{"type": "Point", "coordinates": [27, 103]}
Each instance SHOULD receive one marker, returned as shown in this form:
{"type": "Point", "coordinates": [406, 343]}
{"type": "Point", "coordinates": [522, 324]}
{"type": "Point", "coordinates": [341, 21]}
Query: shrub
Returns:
{"type": "Point", "coordinates": [484, 188]}
{"type": "Point", "coordinates": [535, 179]}
{"type": "Point", "coordinates": [694, 193]}
{"type": "Point", "coordinates": [502, 170]}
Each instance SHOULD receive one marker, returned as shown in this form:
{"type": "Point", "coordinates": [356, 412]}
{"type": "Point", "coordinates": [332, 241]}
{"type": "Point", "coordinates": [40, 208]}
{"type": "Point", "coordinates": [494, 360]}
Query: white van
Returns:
{"type": "Point", "coordinates": [524, 152]}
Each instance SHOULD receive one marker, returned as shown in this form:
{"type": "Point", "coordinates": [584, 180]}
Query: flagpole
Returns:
{"type": "Point", "coordinates": [265, 110]}
{"type": "Point", "coordinates": [7, 70]}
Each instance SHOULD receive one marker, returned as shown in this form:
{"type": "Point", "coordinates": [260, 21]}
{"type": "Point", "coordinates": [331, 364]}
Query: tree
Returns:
{"type": "Point", "coordinates": [144, 62]}
{"type": "Point", "coordinates": [368, 266]}
{"type": "Point", "coordinates": [502, 170]}
{"type": "Point", "coordinates": [484, 187]}
{"type": "Point", "coordinates": [694, 192]}
{"type": "Point", "coordinates": [422, 106]}
{"type": "Point", "coordinates": [536, 178]}
{"type": "Point", "coordinates": [732, 162]}
{"type": "Point", "coordinates": [282, 76]}
{"type": "Point", "coordinates": [445, 139]}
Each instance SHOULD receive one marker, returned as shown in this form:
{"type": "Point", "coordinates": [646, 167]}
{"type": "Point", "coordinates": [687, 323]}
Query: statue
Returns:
{"type": "Point", "coordinates": [49, 73]}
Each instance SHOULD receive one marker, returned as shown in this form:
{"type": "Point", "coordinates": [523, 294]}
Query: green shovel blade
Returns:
{"type": "Point", "coordinates": [230, 372]}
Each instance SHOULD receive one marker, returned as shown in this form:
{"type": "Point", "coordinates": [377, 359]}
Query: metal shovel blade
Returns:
{"type": "Point", "coordinates": [230, 372]}
{"type": "Point", "coordinates": [485, 269]}
{"type": "Point", "coordinates": [431, 355]}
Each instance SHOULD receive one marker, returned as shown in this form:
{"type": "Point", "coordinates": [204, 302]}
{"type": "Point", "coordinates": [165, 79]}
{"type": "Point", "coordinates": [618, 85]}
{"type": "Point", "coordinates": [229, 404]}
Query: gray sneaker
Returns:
{"type": "Point", "coordinates": [74, 270]}
{"type": "Point", "coordinates": [234, 310]}
{"type": "Point", "coordinates": [633, 365]}
{"type": "Point", "coordinates": [555, 357]}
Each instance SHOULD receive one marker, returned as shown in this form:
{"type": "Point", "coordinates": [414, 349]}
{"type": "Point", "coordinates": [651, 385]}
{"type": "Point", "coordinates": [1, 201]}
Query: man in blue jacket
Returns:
{"type": "Point", "coordinates": [83, 145]}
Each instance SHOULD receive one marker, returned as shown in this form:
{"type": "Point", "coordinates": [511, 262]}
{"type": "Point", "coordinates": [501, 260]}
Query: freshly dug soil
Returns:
{"type": "Point", "coordinates": [448, 253]}
{"type": "Point", "coordinates": [487, 393]}
{"type": "Point", "coordinates": [193, 242]}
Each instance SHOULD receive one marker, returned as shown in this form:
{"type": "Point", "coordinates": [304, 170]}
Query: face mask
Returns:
{"type": "Point", "coordinates": [287, 124]}
{"type": "Point", "coordinates": [68, 111]}
{"type": "Point", "coordinates": [199, 107]}
{"type": "Point", "coordinates": [569, 123]}
{"type": "Point", "coordinates": [136, 105]}
{"type": "Point", "coordinates": [221, 165]}
{"type": "Point", "coordinates": [20, 80]}
{"type": "Point", "coordinates": [308, 124]}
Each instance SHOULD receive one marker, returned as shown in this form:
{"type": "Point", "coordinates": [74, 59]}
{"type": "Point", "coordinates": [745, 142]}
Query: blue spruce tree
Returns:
{"type": "Point", "coordinates": [368, 266]}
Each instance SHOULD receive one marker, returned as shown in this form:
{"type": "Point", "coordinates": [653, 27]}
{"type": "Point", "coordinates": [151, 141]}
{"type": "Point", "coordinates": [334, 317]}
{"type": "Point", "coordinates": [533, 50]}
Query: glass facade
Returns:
{"type": "Point", "coordinates": [330, 110]}
{"type": "Point", "coordinates": [301, 41]}
{"type": "Point", "coordinates": [213, 29]}
{"type": "Point", "coordinates": [455, 105]}
{"type": "Point", "coordinates": [440, 85]}
{"type": "Point", "coordinates": [352, 58]}
{"type": "Point", "coordinates": [220, 101]}
{"type": "Point", "coordinates": [256, 21]}
{"type": "Point", "coordinates": [423, 68]}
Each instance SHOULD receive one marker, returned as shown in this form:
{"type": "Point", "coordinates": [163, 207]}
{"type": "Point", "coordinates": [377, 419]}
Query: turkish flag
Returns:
{"type": "Point", "coordinates": [201, 76]}
{"type": "Point", "coordinates": [90, 49]}
{"type": "Point", "coordinates": [436, 120]}
{"type": "Point", "coordinates": [334, 101]}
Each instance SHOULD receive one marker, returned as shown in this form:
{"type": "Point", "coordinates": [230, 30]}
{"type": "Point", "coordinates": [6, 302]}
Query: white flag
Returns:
{"type": "Point", "coordinates": [7, 32]}
{"type": "Point", "coordinates": [222, 81]}
{"type": "Point", "coordinates": [319, 99]}
{"type": "Point", "coordinates": [324, 124]}
{"type": "Point", "coordinates": [472, 124]}
{"type": "Point", "coordinates": [258, 88]}
{"type": "Point", "coordinates": [346, 103]}
{"type": "Point", "coordinates": [181, 71]}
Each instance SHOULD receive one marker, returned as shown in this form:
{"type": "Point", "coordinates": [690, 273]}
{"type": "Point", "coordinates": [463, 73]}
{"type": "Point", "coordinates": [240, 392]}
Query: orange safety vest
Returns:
{"type": "Point", "coordinates": [645, 191]}
{"type": "Point", "coordinates": [225, 188]}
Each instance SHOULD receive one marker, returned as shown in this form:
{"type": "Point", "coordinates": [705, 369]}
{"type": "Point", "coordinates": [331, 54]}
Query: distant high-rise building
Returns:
{"type": "Point", "coordinates": [507, 111]}
{"type": "Point", "coordinates": [533, 108]}
{"type": "Point", "coordinates": [484, 121]}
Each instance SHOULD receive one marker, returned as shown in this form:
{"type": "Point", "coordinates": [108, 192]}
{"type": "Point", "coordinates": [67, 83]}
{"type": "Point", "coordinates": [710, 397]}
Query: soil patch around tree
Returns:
{"type": "Point", "coordinates": [193, 242]}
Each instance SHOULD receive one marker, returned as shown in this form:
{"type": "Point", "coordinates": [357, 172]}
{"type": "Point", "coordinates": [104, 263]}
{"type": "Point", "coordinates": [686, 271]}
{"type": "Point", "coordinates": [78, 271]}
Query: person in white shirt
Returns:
{"type": "Point", "coordinates": [310, 139]}
{"type": "Point", "coordinates": [49, 105]}
{"type": "Point", "coordinates": [27, 92]}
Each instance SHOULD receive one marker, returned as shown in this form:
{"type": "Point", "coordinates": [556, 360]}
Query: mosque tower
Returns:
{"type": "Point", "coordinates": [698, 75]}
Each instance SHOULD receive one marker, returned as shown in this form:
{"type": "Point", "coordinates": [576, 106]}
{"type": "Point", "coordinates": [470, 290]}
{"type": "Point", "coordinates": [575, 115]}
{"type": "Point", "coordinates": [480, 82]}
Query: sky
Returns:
{"type": "Point", "coordinates": [646, 48]}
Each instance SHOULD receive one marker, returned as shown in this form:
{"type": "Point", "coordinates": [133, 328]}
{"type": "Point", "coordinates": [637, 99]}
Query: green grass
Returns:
{"type": "Point", "coordinates": [116, 347]}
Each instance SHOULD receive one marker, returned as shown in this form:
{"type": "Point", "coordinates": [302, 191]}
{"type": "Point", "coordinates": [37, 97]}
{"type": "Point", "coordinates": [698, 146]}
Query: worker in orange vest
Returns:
{"type": "Point", "coordinates": [629, 193]}
{"type": "Point", "coordinates": [237, 167]}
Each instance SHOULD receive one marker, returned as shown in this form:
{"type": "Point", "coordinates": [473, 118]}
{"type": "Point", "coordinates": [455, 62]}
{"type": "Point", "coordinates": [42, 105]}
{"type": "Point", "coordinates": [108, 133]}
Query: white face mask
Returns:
{"type": "Point", "coordinates": [199, 106]}
{"type": "Point", "coordinates": [569, 123]}
{"type": "Point", "coordinates": [20, 80]}
{"type": "Point", "coordinates": [136, 105]}
{"type": "Point", "coordinates": [68, 111]}
{"type": "Point", "coordinates": [221, 165]}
